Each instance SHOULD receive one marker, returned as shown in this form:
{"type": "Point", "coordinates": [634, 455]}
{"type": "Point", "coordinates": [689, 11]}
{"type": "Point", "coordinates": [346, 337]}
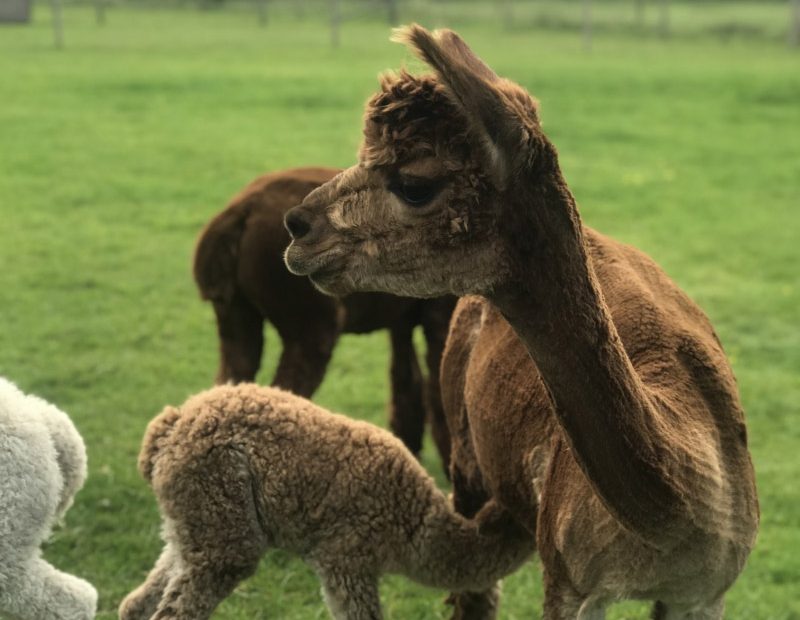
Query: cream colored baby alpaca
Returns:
{"type": "Point", "coordinates": [42, 466]}
{"type": "Point", "coordinates": [238, 470]}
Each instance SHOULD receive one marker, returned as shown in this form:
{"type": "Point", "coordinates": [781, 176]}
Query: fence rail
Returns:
{"type": "Point", "coordinates": [776, 20]}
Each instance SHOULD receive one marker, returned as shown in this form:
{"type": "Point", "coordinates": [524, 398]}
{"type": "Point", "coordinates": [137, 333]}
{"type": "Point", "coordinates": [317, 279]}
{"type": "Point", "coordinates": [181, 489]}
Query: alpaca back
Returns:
{"type": "Point", "coordinates": [156, 437]}
{"type": "Point", "coordinates": [317, 473]}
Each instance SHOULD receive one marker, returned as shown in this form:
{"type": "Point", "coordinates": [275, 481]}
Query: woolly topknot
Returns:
{"type": "Point", "coordinates": [411, 116]}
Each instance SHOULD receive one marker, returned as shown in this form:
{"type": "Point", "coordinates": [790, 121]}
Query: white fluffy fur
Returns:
{"type": "Point", "coordinates": [42, 466]}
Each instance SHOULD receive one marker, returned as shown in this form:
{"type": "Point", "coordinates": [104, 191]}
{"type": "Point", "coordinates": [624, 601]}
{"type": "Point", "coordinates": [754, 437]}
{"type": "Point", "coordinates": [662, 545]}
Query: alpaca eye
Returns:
{"type": "Point", "coordinates": [416, 193]}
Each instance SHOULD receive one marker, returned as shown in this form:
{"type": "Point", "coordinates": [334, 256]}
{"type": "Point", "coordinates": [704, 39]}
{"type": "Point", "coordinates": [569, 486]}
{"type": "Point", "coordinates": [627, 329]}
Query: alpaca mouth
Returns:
{"type": "Point", "coordinates": [320, 265]}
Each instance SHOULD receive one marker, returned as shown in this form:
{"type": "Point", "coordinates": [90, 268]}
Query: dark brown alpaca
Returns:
{"type": "Point", "coordinates": [586, 393]}
{"type": "Point", "coordinates": [239, 267]}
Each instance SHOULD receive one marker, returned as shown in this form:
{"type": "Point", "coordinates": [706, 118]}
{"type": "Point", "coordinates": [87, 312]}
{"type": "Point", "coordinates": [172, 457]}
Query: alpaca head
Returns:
{"type": "Point", "coordinates": [420, 213]}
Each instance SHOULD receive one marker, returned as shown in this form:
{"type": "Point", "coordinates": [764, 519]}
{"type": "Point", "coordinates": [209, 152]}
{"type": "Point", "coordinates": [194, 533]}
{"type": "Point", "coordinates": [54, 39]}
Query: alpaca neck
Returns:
{"type": "Point", "coordinates": [459, 554]}
{"type": "Point", "coordinates": [555, 305]}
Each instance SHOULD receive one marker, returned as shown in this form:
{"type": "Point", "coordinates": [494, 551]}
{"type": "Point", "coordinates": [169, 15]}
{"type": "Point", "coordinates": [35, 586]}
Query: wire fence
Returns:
{"type": "Point", "coordinates": [766, 20]}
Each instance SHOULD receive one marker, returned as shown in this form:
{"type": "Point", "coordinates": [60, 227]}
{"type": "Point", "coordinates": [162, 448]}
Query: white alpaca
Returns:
{"type": "Point", "coordinates": [42, 466]}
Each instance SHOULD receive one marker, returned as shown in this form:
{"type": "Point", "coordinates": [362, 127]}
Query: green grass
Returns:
{"type": "Point", "coordinates": [116, 150]}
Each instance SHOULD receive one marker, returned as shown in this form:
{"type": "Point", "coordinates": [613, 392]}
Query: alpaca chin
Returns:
{"type": "Point", "coordinates": [332, 284]}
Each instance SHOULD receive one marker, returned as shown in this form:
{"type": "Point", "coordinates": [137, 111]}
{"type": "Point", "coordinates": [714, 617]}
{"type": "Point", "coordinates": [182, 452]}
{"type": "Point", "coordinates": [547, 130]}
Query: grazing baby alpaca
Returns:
{"type": "Point", "coordinates": [42, 466]}
{"type": "Point", "coordinates": [585, 392]}
{"type": "Point", "coordinates": [238, 470]}
{"type": "Point", "coordinates": [238, 266]}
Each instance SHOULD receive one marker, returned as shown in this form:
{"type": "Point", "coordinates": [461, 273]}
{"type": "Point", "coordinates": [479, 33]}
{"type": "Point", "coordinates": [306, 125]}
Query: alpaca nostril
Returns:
{"type": "Point", "coordinates": [296, 224]}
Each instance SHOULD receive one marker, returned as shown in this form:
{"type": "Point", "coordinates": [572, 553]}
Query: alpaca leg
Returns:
{"type": "Point", "coordinates": [215, 529]}
{"type": "Point", "coordinates": [407, 411]}
{"type": "Point", "coordinates": [471, 605]}
{"type": "Point", "coordinates": [351, 596]}
{"type": "Point", "coordinates": [592, 610]}
{"type": "Point", "coordinates": [714, 611]}
{"type": "Point", "coordinates": [435, 325]}
{"type": "Point", "coordinates": [303, 363]}
{"type": "Point", "coordinates": [475, 605]}
{"type": "Point", "coordinates": [35, 590]}
{"type": "Point", "coordinates": [305, 357]}
{"type": "Point", "coordinates": [196, 590]}
{"type": "Point", "coordinates": [142, 603]}
{"type": "Point", "coordinates": [561, 600]}
{"type": "Point", "coordinates": [241, 339]}
{"type": "Point", "coordinates": [469, 496]}
{"type": "Point", "coordinates": [309, 325]}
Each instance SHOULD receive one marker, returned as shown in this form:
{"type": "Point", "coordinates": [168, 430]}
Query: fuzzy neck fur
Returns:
{"type": "Point", "coordinates": [458, 554]}
{"type": "Point", "coordinates": [554, 303]}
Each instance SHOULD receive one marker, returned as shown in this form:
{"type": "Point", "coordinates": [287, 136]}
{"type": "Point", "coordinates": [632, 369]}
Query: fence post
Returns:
{"type": "Point", "coordinates": [639, 12]}
{"type": "Point", "coordinates": [393, 16]}
{"type": "Point", "coordinates": [507, 13]}
{"type": "Point", "coordinates": [58, 24]}
{"type": "Point", "coordinates": [100, 12]}
{"type": "Point", "coordinates": [336, 22]}
{"type": "Point", "coordinates": [587, 25]}
{"type": "Point", "coordinates": [663, 26]}
{"type": "Point", "coordinates": [794, 25]}
{"type": "Point", "coordinates": [263, 18]}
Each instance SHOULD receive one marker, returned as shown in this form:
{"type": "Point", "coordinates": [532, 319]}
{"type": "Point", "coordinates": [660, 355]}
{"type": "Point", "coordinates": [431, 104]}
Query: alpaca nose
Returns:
{"type": "Point", "coordinates": [296, 223]}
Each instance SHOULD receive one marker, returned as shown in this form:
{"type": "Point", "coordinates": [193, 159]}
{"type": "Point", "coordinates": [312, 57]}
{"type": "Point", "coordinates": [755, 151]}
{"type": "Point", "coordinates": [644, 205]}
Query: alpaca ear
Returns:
{"type": "Point", "coordinates": [494, 107]}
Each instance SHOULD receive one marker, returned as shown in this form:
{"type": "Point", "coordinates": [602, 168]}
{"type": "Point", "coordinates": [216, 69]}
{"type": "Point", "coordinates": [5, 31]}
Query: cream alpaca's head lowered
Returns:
{"type": "Point", "coordinates": [423, 211]}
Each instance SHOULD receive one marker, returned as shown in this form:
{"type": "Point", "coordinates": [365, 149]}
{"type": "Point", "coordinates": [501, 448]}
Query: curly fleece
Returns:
{"type": "Point", "coordinates": [241, 469]}
{"type": "Point", "coordinates": [42, 466]}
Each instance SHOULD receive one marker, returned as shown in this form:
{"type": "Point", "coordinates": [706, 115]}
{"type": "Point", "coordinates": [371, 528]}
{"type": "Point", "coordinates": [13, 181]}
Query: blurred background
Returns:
{"type": "Point", "coordinates": [722, 19]}
{"type": "Point", "coordinates": [125, 126]}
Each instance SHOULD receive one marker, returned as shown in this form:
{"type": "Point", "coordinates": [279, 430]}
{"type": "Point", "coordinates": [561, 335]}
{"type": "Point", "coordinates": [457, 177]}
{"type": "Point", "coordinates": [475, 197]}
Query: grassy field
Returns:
{"type": "Point", "coordinates": [116, 150]}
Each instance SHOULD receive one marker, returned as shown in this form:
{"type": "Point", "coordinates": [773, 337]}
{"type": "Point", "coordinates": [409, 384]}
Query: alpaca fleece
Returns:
{"type": "Point", "coordinates": [584, 391]}
{"type": "Point", "coordinates": [42, 466]}
{"type": "Point", "coordinates": [241, 469]}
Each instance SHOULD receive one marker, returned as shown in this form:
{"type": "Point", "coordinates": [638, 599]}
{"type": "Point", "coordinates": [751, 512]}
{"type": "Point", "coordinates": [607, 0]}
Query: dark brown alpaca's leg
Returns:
{"type": "Point", "coordinates": [241, 336]}
{"type": "Point", "coordinates": [435, 324]}
{"type": "Point", "coordinates": [475, 605]}
{"type": "Point", "coordinates": [406, 410]}
{"type": "Point", "coordinates": [307, 349]}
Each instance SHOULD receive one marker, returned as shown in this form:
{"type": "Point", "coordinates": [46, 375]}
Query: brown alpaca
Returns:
{"type": "Point", "coordinates": [238, 470]}
{"type": "Point", "coordinates": [585, 392]}
{"type": "Point", "coordinates": [239, 267]}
